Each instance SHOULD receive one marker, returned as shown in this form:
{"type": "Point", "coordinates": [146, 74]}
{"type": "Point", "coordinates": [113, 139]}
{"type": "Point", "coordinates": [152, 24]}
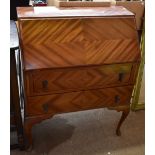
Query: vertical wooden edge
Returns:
{"type": "Point", "coordinates": [21, 41]}
{"type": "Point", "coordinates": [138, 41]}
{"type": "Point", "coordinates": [29, 122]}
{"type": "Point", "coordinates": [134, 72]}
{"type": "Point", "coordinates": [27, 83]}
{"type": "Point", "coordinates": [25, 92]}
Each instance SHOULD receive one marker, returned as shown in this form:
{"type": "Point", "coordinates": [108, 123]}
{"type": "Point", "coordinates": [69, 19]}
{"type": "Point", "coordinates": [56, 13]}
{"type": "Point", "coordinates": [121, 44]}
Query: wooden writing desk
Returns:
{"type": "Point", "coordinates": [77, 59]}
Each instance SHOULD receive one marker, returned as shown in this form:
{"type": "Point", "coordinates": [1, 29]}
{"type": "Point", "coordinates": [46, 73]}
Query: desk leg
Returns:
{"type": "Point", "coordinates": [27, 134]}
{"type": "Point", "coordinates": [125, 112]}
{"type": "Point", "coordinates": [29, 122]}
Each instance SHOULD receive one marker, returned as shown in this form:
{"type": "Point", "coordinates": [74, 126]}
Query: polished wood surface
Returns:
{"type": "Point", "coordinates": [78, 42]}
{"type": "Point", "coordinates": [125, 109]}
{"type": "Point", "coordinates": [49, 81]}
{"type": "Point", "coordinates": [81, 100]}
{"type": "Point", "coordinates": [76, 61]}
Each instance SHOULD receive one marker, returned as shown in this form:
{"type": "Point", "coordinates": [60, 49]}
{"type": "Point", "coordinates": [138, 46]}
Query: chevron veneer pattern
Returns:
{"type": "Point", "coordinates": [82, 100]}
{"type": "Point", "coordinates": [68, 79]}
{"type": "Point", "coordinates": [75, 42]}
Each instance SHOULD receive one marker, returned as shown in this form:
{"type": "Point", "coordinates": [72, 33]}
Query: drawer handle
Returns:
{"type": "Point", "coordinates": [45, 84]}
{"type": "Point", "coordinates": [117, 99]}
{"type": "Point", "coordinates": [45, 107]}
{"type": "Point", "coordinates": [121, 76]}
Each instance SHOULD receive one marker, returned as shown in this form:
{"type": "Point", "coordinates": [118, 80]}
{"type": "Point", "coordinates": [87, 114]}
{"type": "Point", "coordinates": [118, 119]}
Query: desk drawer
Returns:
{"type": "Point", "coordinates": [55, 81]}
{"type": "Point", "coordinates": [108, 75]}
{"type": "Point", "coordinates": [76, 101]}
{"type": "Point", "coordinates": [75, 79]}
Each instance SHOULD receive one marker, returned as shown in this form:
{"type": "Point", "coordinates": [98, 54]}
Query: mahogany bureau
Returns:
{"type": "Point", "coordinates": [76, 59]}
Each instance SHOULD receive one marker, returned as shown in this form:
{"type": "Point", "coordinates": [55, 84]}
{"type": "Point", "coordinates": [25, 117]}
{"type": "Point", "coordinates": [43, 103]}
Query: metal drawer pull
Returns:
{"type": "Point", "coordinates": [121, 76]}
{"type": "Point", "coordinates": [45, 84]}
{"type": "Point", "coordinates": [117, 99]}
{"type": "Point", "coordinates": [45, 107]}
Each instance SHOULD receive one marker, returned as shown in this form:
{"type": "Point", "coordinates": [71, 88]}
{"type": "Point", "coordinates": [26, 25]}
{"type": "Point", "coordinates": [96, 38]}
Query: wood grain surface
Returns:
{"type": "Point", "coordinates": [40, 82]}
{"type": "Point", "coordinates": [82, 100]}
{"type": "Point", "coordinates": [54, 43]}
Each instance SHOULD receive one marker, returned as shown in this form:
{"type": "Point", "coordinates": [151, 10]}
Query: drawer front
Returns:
{"type": "Point", "coordinates": [65, 80]}
{"type": "Point", "coordinates": [76, 101]}
{"type": "Point", "coordinates": [108, 75]}
{"type": "Point", "coordinates": [55, 81]}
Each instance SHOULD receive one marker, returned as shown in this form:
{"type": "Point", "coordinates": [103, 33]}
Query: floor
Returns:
{"type": "Point", "coordinates": [89, 133]}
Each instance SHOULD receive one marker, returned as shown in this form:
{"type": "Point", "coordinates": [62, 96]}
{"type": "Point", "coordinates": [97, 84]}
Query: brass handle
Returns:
{"type": "Point", "coordinates": [45, 84]}
{"type": "Point", "coordinates": [120, 77]}
{"type": "Point", "coordinates": [117, 99]}
{"type": "Point", "coordinates": [45, 107]}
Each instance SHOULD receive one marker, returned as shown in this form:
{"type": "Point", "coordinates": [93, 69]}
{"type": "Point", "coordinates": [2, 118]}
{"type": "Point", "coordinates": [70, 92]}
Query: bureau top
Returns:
{"type": "Point", "coordinates": [54, 12]}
